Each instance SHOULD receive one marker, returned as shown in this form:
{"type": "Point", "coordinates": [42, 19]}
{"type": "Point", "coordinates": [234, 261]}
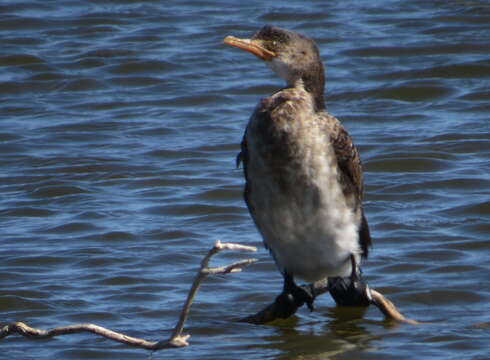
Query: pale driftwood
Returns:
{"type": "Point", "coordinates": [27, 331]}
{"type": "Point", "coordinates": [206, 270]}
{"type": "Point", "coordinates": [177, 339]}
{"type": "Point", "coordinates": [275, 310]}
{"type": "Point", "coordinates": [389, 309]}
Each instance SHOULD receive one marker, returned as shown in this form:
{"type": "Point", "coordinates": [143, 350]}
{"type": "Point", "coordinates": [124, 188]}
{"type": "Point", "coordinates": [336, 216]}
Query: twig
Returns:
{"type": "Point", "coordinates": [175, 340]}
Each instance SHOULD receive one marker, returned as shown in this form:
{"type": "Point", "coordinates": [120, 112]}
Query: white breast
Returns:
{"type": "Point", "coordinates": [305, 222]}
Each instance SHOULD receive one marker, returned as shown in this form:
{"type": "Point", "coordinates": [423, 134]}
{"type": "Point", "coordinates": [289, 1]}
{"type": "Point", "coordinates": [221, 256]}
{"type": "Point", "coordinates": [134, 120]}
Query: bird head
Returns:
{"type": "Point", "coordinates": [294, 57]}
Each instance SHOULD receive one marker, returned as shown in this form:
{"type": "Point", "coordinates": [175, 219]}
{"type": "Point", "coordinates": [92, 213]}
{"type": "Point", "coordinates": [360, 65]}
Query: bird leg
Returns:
{"type": "Point", "coordinates": [295, 296]}
{"type": "Point", "coordinates": [351, 290]}
{"type": "Point", "coordinates": [346, 291]}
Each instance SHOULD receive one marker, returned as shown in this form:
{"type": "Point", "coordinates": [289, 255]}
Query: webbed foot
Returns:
{"type": "Point", "coordinates": [303, 295]}
{"type": "Point", "coordinates": [351, 290]}
{"type": "Point", "coordinates": [300, 294]}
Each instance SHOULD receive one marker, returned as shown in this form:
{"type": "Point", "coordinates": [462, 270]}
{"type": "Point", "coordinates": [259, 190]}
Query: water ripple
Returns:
{"type": "Point", "coordinates": [121, 121]}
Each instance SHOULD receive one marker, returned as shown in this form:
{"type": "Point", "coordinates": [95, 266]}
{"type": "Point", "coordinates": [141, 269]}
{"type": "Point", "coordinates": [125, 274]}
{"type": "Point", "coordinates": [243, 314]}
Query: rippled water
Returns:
{"type": "Point", "coordinates": [119, 124]}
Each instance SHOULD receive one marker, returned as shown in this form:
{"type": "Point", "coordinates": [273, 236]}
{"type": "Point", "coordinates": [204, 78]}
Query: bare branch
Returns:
{"type": "Point", "coordinates": [27, 331]}
{"type": "Point", "coordinates": [176, 339]}
{"type": "Point", "coordinates": [235, 267]}
{"type": "Point", "coordinates": [234, 246]}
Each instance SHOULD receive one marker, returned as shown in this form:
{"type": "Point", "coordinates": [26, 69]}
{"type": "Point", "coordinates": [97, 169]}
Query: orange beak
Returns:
{"type": "Point", "coordinates": [252, 46]}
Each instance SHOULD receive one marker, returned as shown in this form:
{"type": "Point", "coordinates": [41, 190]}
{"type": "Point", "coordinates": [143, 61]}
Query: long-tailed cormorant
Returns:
{"type": "Point", "coordinates": [304, 182]}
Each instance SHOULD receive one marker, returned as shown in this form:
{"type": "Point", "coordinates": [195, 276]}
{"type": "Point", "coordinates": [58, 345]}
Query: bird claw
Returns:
{"type": "Point", "coordinates": [303, 295]}
{"type": "Point", "coordinates": [291, 299]}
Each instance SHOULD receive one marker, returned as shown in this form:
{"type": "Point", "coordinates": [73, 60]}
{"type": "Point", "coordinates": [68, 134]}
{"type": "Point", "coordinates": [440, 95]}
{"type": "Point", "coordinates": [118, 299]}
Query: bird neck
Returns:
{"type": "Point", "coordinates": [314, 83]}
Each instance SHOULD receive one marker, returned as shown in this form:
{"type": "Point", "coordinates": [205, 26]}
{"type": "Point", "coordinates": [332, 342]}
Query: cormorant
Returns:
{"type": "Point", "coordinates": [304, 182]}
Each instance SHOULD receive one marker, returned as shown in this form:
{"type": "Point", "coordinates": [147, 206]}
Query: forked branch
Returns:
{"type": "Point", "coordinates": [177, 339]}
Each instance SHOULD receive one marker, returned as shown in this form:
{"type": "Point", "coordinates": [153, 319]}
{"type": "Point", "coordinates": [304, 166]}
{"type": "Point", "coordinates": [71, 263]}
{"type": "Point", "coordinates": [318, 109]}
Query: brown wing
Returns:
{"type": "Point", "coordinates": [263, 113]}
{"type": "Point", "coordinates": [242, 158]}
{"type": "Point", "coordinates": [351, 178]}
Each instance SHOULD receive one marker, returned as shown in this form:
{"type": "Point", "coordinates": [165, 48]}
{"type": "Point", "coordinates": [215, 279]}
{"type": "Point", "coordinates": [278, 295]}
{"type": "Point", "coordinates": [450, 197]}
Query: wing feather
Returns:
{"type": "Point", "coordinates": [351, 178]}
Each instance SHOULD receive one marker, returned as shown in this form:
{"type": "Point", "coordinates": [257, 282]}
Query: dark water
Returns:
{"type": "Point", "coordinates": [119, 124]}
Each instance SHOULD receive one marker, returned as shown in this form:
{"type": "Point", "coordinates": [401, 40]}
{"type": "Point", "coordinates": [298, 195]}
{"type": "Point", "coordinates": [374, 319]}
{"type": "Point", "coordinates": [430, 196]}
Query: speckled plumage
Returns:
{"type": "Point", "coordinates": [305, 203]}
